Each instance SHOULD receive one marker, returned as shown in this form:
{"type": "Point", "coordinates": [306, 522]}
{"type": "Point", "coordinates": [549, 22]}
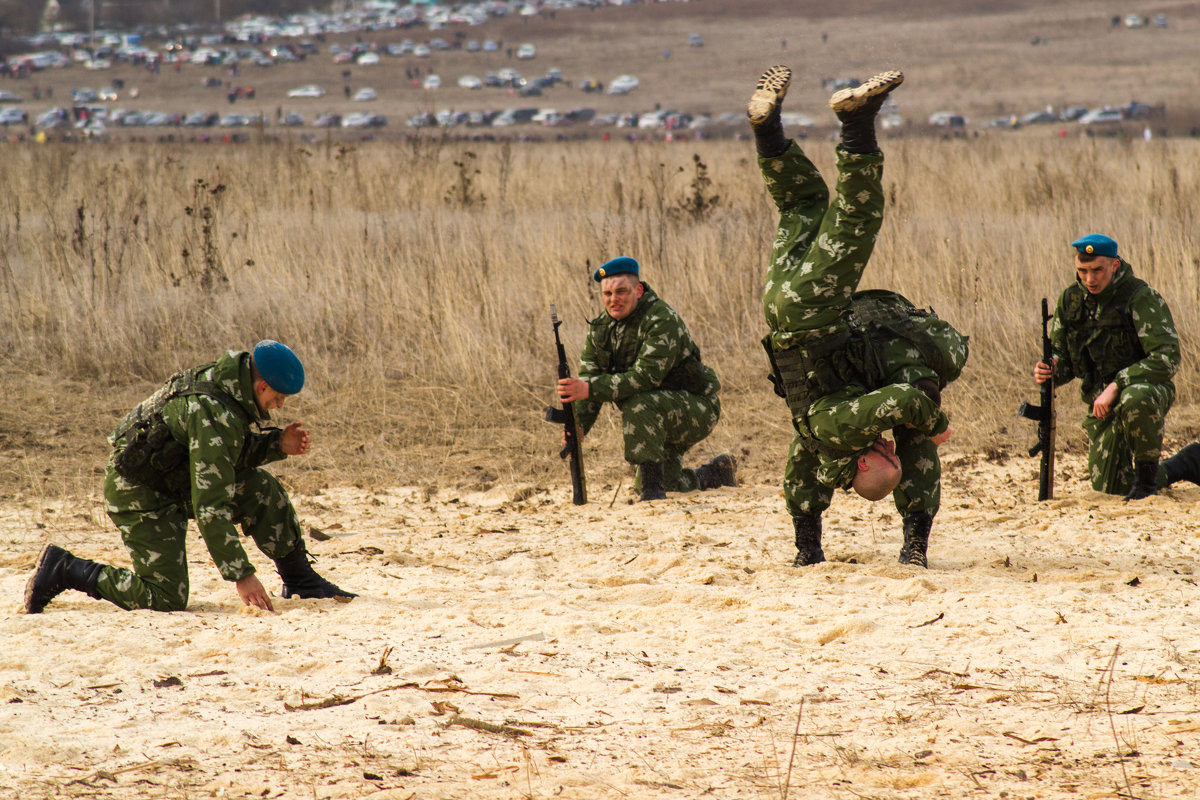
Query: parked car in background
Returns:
{"type": "Point", "coordinates": [947, 119]}
{"type": "Point", "coordinates": [696, 40]}
{"type": "Point", "coordinates": [364, 94]}
{"type": "Point", "coordinates": [327, 120]}
{"type": "Point", "coordinates": [1072, 113]}
{"type": "Point", "coordinates": [367, 59]}
{"type": "Point", "coordinates": [432, 82]}
{"type": "Point", "coordinates": [201, 119]}
{"type": "Point", "coordinates": [470, 82]}
{"type": "Point", "coordinates": [54, 118]}
{"type": "Point", "coordinates": [1038, 117]}
{"type": "Point", "coordinates": [623, 84]}
{"type": "Point", "coordinates": [514, 116]}
{"type": "Point", "coordinates": [13, 116]}
{"type": "Point", "coordinates": [526, 52]}
{"type": "Point", "coordinates": [9, 97]}
{"type": "Point", "coordinates": [312, 90]}
{"type": "Point", "coordinates": [1100, 116]}
{"type": "Point", "coordinates": [362, 119]}
{"type": "Point", "coordinates": [794, 119]}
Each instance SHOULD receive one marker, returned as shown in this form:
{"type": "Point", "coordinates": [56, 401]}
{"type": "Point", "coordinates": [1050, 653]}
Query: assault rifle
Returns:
{"type": "Point", "coordinates": [565, 416]}
{"type": "Point", "coordinates": [1044, 414]}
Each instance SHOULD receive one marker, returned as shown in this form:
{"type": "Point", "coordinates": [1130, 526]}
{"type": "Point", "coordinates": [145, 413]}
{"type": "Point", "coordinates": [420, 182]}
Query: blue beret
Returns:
{"type": "Point", "coordinates": [279, 366]}
{"type": "Point", "coordinates": [621, 265]}
{"type": "Point", "coordinates": [1096, 244]}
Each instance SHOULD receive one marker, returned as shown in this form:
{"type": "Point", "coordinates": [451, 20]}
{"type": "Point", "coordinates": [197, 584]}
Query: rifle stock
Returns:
{"type": "Point", "coordinates": [565, 416]}
{"type": "Point", "coordinates": [1044, 414]}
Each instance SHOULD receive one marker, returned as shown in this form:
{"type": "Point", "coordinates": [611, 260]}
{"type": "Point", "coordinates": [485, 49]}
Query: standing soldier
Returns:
{"type": "Point", "coordinates": [187, 452]}
{"type": "Point", "coordinates": [851, 365]}
{"type": "Point", "coordinates": [1115, 333]}
{"type": "Point", "coordinates": [640, 356]}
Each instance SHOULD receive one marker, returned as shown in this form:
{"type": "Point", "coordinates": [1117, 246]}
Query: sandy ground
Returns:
{"type": "Point", "coordinates": [620, 650]}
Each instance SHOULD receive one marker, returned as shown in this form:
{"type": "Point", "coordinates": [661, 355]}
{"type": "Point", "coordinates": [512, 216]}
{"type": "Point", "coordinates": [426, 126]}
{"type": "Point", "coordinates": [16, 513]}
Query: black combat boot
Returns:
{"type": "Point", "coordinates": [1184, 465]}
{"type": "Point", "coordinates": [808, 540]}
{"type": "Point", "coordinates": [57, 570]}
{"type": "Point", "coordinates": [652, 481]}
{"type": "Point", "coordinates": [916, 538]}
{"type": "Point", "coordinates": [301, 580]}
{"type": "Point", "coordinates": [856, 109]}
{"type": "Point", "coordinates": [763, 111]}
{"type": "Point", "coordinates": [1145, 480]}
{"type": "Point", "coordinates": [721, 471]}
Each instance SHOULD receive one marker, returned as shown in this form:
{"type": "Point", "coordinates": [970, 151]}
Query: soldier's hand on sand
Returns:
{"type": "Point", "coordinates": [251, 590]}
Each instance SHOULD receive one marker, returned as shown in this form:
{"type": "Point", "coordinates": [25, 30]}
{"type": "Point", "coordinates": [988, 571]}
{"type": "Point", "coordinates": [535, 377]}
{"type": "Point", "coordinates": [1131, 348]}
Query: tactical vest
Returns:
{"type": "Point", "coordinates": [613, 357]}
{"type": "Point", "coordinates": [1101, 345]}
{"type": "Point", "coordinates": [854, 355]}
{"type": "Point", "coordinates": [151, 456]}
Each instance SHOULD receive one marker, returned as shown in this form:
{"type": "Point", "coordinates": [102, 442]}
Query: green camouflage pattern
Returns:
{"type": "Point", "coordinates": [1133, 431]}
{"type": "Point", "coordinates": [154, 527]}
{"type": "Point", "coordinates": [1155, 331]}
{"type": "Point", "coordinates": [852, 420]}
{"type": "Point", "coordinates": [661, 427]}
{"type": "Point", "coordinates": [818, 258]}
{"type": "Point", "coordinates": [626, 362]}
{"type": "Point", "coordinates": [222, 498]}
{"type": "Point", "coordinates": [820, 251]}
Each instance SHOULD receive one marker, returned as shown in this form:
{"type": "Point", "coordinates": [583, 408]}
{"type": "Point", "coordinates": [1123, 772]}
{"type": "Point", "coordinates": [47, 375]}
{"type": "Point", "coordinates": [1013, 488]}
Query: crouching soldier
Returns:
{"type": "Point", "coordinates": [1115, 333]}
{"type": "Point", "coordinates": [640, 356]}
{"type": "Point", "coordinates": [187, 452]}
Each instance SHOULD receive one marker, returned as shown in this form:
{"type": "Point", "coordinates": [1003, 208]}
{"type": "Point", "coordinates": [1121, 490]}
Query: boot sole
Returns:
{"type": "Point", "coordinates": [29, 585]}
{"type": "Point", "coordinates": [768, 93]}
{"type": "Point", "coordinates": [852, 99]}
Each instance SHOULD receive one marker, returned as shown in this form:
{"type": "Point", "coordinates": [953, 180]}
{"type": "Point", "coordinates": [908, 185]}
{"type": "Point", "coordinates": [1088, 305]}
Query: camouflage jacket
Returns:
{"type": "Point", "coordinates": [219, 443]}
{"type": "Point", "coordinates": [847, 422]}
{"type": "Point", "coordinates": [649, 350]}
{"type": "Point", "coordinates": [1149, 320]}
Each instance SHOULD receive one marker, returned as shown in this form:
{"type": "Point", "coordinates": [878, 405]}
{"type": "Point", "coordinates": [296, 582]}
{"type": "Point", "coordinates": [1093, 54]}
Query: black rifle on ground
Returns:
{"type": "Point", "coordinates": [1044, 414]}
{"type": "Point", "coordinates": [565, 416]}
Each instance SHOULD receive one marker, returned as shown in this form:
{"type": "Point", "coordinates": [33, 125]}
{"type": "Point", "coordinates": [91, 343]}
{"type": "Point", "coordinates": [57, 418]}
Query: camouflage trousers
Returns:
{"type": "Point", "coordinates": [919, 490]}
{"type": "Point", "coordinates": [1132, 432]}
{"type": "Point", "coordinates": [817, 261]}
{"type": "Point", "coordinates": [820, 249]}
{"type": "Point", "coordinates": [662, 426]}
{"type": "Point", "coordinates": [154, 529]}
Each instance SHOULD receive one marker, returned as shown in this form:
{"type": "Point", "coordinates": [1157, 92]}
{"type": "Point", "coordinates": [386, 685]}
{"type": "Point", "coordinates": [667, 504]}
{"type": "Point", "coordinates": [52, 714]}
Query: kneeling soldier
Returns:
{"type": "Point", "coordinates": [1115, 333]}
{"type": "Point", "coordinates": [640, 356]}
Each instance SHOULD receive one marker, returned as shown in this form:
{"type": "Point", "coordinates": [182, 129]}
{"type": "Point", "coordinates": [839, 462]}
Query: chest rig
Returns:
{"type": "Point", "coordinates": [151, 455]}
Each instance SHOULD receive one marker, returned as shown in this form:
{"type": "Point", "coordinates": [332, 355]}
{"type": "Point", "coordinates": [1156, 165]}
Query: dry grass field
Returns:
{"type": "Point", "coordinates": [661, 651]}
